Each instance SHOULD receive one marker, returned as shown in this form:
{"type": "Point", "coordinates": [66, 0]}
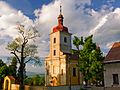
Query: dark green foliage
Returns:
{"type": "Point", "coordinates": [90, 59]}
{"type": "Point", "coordinates": [13, 67]}
{"type": "Point", "coordinates": [4, 71]}
{"type": "Point", "coordinates": [1, 63]}
{"type": "Point", "coordinates": [35, 80]}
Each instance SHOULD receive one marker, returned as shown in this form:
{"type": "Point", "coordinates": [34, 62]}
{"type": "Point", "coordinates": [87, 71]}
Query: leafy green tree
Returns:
{"type": "Point", "coordinates": [7, 70]}
{"type": "Point", "coordinates": [90, 58]}
{"type": "Point", "coordinates": [3, 72]}
{"type": "Point", "coordinates": [35, 80]}
{"type": "Point", "coordinates": [13, 67]}
{"type": "Point", "coordinates": [23, 50]}
{"type": "Point", "coordinates": [2, 63]}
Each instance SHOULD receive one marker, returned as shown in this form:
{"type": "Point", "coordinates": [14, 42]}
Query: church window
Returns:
{"type": "Point", "coordinates": [74, 71]}
{"type": "Point", "coordinates": [65, 39]}
{"type": "Point", "coordinates": [47, 71]}
{"type": "Point", "coordinates": [54, 40]}
{"type": "Point", "coordinates": [115, 79]}
{"type": "Point", "coordinates": [54, 53]}
{"type": "Point", "coordinates": [61, 71]}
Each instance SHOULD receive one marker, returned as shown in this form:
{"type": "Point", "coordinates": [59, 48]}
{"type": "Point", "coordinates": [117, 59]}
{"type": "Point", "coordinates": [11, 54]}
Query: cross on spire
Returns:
{"type": "Point", "coordinates": [60, 7]}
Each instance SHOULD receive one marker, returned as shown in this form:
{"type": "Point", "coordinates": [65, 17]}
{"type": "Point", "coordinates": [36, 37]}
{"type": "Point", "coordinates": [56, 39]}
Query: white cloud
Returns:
{"type": "Point", "coordinates": [110, 30]}
{"type": "Point", "coordinates": [5, 9]}
{"type": "Point", "coordinates": [99, 25]}
{"type": "Point", "coordinates": [103, 24]}
{"type": "Point", "coordinates": [81, 21]}
{"type": "Point", "coordinates": [9, 17]}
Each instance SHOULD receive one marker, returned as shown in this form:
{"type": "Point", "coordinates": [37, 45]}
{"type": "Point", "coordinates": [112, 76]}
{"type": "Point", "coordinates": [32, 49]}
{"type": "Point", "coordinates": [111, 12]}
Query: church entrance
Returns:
{"type": "Point", "coordinates": [54, 81]}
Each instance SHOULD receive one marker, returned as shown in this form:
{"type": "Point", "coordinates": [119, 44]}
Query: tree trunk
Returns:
{"type": "Point", "coordinates": [22, 66]}
{"type": "Point", "coordinates": [21, 76]}
{"type": "Point", "coordinates": [86, 82]}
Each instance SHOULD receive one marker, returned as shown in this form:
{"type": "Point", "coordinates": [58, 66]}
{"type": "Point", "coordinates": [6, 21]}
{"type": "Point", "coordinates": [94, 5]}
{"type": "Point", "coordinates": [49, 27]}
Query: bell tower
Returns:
{"type": "Point", "coordinates": [60, 37]}
{"type": "Point", "coordinates": [60, 43]}
{"type": "Point", "coordinates": [57, 62]}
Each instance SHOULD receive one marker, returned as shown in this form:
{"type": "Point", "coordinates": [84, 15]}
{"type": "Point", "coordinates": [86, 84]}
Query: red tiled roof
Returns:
{"type": "Point", "coordinates": [114, 54]}
{"type": "Point", "coordinates": [11, 77]}
{"type": "Point", "coordinates": [60, 28]}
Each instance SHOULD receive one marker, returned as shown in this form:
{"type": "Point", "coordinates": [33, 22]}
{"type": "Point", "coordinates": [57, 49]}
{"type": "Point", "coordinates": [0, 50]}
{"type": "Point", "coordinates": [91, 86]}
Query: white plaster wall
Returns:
{"type": "Point", "coordinates": [109, 69]}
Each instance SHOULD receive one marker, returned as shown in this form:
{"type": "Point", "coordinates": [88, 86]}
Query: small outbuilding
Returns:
{"type": "Point", "coordinates": [8, 81]}
{"type": "Point", "coordinates": [112, 67]}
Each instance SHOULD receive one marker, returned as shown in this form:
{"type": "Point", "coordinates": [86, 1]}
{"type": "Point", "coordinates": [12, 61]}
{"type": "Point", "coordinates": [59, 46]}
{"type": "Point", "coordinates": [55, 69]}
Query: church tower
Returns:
{"type": "Point", "coordinates": [60, 38]}
{"type": "Point", "coordinates": [56, 63]}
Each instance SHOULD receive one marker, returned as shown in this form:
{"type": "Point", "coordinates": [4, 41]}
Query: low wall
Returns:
{"type": "Point", "coordinates": [74, 87]}
{"type": "Point", "coordinates": [38, 88]}
{"type": "Point", "coordinates": [16, 87]}
{"type": "Point", "coordinates": [77, 87]}
{"type": "Point", "coordinates": [105, 88]}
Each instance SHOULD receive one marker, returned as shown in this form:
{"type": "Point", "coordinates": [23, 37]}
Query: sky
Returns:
{"type": "Point", "coordinates": [101, 18]}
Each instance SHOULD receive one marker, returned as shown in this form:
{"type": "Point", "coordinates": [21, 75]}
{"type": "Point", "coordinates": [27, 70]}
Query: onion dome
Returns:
{"type": "Point", "coordinates": [60, 26]}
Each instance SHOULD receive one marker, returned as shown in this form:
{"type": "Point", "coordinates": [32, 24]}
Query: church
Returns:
{"type": "Point", "coordinates": [60, 64]}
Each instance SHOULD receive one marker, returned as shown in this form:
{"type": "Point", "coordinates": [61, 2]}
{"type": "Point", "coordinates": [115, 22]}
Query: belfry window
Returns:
{"type": "Point", "coordinates": [54, 40]}
{"type": "Point", "coordinates": [65, 39]}
{"type": "Point", "coordinates": [54, 53]}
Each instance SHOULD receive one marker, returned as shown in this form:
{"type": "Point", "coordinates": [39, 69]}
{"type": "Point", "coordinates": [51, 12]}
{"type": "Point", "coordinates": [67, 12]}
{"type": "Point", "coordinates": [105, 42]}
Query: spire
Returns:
{"type": "Point", "coordinates": [60, 17]}
{"type": "Point", "coordinates": [60, 9]}
{"type": "Point", "coordinates": [60, 26]}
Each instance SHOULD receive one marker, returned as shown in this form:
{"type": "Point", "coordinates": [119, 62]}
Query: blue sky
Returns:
{"type": "Point", "coordinates": [28, 6]}
{"type": "Point", "coordinates": [82, 17]}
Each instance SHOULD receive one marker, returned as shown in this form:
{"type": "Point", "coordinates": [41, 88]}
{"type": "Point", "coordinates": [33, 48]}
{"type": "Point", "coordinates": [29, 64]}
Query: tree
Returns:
{"type": "Point", "coordinates": [3, 72]}
{"type": "Point", "coordinates": [1, 63]}
{"type": "Point", "coordinates": [23, 50]}
{"type": "Point", "coordinates": [36, 80]}
{"type": "Point", "coordinates": [13, 67]}
{"type": "Point", "coordinates": [90, 58]}
{"type": "Point", "coordinates": [7, 70]}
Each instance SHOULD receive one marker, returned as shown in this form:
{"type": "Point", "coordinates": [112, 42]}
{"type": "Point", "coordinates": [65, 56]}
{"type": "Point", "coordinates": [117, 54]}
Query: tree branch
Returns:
{"type": "Point", "coordinates": [28, 60]}
{"type": "Point", "coordinates": [16, 56]}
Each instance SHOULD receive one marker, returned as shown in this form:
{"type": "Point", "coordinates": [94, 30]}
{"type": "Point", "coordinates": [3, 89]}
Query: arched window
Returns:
{"type": "Point", "coordinates": [65, 39]}
{"type": "Point", "coordinates": [47, 71]}
{"type": "Point", "coordinates": [54, 40]}
{"type": "Point", "coordinates": [74, 72]}
{"type": "Point", "coordinates": [61, 71]}
{"type": "Point", "coordinates": [54, 52]}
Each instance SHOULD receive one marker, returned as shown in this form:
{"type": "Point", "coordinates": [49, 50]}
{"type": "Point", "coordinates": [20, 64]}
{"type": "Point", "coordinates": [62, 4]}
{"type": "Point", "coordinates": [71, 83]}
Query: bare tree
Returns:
{"type": "Point", "coordinates": [23, 50]}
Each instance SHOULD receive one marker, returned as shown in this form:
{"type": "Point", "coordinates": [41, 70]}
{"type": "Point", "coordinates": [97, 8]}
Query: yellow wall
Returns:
{"type": "Point", "coordinates": [57, 64]}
